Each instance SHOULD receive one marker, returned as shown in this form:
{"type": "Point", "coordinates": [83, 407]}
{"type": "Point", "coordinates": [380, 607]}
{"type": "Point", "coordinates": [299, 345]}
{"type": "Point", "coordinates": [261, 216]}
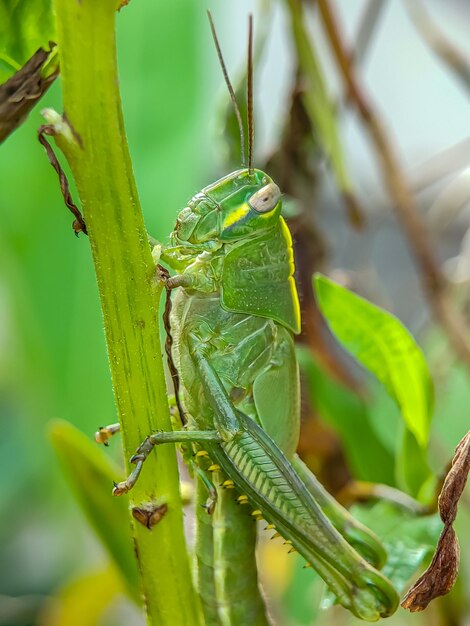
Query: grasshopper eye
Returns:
{"type": "Point", "coordinates": [265, 199]}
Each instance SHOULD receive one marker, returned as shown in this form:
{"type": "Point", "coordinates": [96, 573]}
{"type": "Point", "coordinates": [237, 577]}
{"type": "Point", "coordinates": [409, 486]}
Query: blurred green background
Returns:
{"type": "Point", "coordinates": [52, 351]}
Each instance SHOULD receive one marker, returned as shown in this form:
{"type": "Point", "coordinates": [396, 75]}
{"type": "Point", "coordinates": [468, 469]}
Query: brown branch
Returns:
{"type": "Point", "coordinates": [367, 27]}
{"type": "Point", "coordinates": [445, 163]}
{"type": "Point", "coordinates": [403, 202]}
{"type": "Point", "coordinates": [447, 52]}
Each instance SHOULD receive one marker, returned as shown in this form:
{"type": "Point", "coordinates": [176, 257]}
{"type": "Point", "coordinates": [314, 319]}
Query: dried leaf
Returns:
{"type": "Point", "coordinates": [149, 514]}
{"type": "Point", "coordinates": [44, 131]}
{"type": "Point", "coordinates": [440, 576]}
{"type": "Point", "coordinates": [21, 92]}
{"type": "Point", "coordinates": [455, 481]}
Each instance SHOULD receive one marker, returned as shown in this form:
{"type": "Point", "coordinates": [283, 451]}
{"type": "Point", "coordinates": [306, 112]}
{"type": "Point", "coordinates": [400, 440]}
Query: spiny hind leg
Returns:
{"type": "Point", "coordinates": [355, 533]}
{"type": "Point", "coordinates": [158, 438]}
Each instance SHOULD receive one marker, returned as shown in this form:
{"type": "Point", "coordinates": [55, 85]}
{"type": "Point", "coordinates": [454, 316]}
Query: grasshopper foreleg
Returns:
{"type": "Point", "coordinates": [104, 433]}
{"type": "Point", "coordinates": [153, 440]}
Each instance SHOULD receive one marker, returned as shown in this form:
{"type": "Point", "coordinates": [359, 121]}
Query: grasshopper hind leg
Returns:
{"type": "Point", "coordinates": [259, 469]}
{"type": "Point", "coordinates": [276, 395]}
{"type": "Point", "coordinates": [359, 536]}
{"type": "Point", "coordinates": [226, 572]}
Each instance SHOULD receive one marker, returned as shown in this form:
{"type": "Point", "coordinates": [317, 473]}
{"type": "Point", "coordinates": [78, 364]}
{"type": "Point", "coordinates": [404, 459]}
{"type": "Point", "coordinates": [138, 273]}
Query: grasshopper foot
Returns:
{"type": "Point", "coordinates": [209, 505]}
{"type": "Point", "coordinates": [126, 485]}
{"type": "Point", "coordinates": [104, 433]}
{"type": "Point", "coordinates": [138, 459]}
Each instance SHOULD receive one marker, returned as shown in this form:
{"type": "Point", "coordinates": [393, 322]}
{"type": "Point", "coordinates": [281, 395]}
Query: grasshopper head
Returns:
{"type": "Point", "coordinates": [245, 202]}
{"type": "Point", "coordinates": [248, 202]}
{"type": "Point", "coordinates": [235, 207]}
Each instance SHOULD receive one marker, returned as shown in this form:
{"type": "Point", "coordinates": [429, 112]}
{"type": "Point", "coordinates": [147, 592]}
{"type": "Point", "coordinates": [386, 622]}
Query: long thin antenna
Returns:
{"type": "Point", "coordinates": [251, 125]}
{"type": "Point", "coordinates": [230, 88]}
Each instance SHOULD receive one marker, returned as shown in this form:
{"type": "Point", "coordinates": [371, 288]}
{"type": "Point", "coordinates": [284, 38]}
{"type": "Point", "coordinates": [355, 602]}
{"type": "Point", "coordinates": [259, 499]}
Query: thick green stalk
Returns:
{"type": "Point", "coordinates": [100, 162]}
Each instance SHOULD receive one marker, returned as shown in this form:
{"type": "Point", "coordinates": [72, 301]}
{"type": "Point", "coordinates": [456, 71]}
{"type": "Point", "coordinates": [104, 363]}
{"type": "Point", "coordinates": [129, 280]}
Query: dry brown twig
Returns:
{"type": "Point", "coordinates": [370, 17]}
{"type": "Point", "coordinates": [48, 130]}
{"type": "Point", "coordinates": [433, 281]}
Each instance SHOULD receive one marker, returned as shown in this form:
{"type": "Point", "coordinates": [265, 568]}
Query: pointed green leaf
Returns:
{"type": "Point", "coordinates": [381, 343]}
{"type": "Point", "coordinates": [348, 414]}
{"type": "Point", "coordinates": [91, 476]}
{"type": "Point", "coordinates": [83, 600]}
{"type": "Point", "coordinates": [412, 470]}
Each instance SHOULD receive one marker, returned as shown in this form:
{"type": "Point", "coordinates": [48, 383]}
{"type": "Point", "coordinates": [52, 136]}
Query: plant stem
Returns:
{"type": "Point", "coordinates": [129, 292]}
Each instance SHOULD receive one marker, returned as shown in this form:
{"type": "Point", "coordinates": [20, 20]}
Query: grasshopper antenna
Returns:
{"type": "Point", "coordinates": [251, 125]}
{"type": "Point", "coordinates": [230, 88]}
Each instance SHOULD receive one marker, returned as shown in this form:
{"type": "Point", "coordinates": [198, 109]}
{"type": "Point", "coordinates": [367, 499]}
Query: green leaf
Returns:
{"type": "Point", "coordinates": [409, 539]}
{"type": "Point", "coordinates": [348, 414]}
{"type": "Point", "coordinates": [91, 476]}
{"type": "Point", "coordinates": [82, 601]}
{"type": "Point", "coordinates": [412, 469]}
{"type": "Point", "coordinates": [25, 26]}
{"type": "Point", "coordinates": [381, 343]}
{"type": "Point", "coordinates": [301, 599]}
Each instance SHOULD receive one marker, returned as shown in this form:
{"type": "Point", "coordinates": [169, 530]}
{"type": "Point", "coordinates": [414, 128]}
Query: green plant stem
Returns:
{"type": "Point", "coordinates": [129, 293]}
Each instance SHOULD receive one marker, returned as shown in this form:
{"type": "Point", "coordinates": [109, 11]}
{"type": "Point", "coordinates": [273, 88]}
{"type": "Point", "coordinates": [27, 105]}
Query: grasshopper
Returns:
{"type": "Point", "coordinates": [235, 311]}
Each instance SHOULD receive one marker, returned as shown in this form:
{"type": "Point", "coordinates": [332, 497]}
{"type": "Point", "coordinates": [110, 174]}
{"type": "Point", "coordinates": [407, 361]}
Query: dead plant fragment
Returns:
{"type": "Point", "coordinates": [21, 92]}
{"type": "Point", "coordinates": [48, 130]}
{"type": "Point", "coordinates": [149, 514]}
{"type": "Point", "coordinates": [440, 576]}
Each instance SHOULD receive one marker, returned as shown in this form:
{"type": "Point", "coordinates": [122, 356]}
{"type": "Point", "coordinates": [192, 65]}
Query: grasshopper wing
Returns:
{"type": "Point", "coordinates": [257, 278]}
{"type": "Point", "coordinates": [276, 392]}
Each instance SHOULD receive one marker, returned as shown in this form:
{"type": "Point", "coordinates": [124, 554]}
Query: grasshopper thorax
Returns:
{"type": "Point", "coordinates": [240, 205]}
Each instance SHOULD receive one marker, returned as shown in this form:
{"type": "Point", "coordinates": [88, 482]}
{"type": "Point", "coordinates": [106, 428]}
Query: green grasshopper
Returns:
{"type": "Point", "coordinates": [234, 314]}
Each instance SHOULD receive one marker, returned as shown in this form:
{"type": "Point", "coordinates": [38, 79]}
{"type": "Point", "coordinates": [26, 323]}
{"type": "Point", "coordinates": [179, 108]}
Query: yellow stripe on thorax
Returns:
{"type": "Point", "coordinates": [236, 214]}
{"type": "Point", "coordinates": [290, 255]}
